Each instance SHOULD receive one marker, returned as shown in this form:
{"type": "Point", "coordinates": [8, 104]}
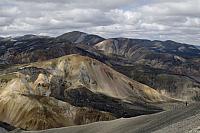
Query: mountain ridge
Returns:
{"type": "Point", "coordinates": [65, 91]}
{"type": "Point", "coordinates": [146, 60]}
{"type": "Point", "coordinates": [81, 32]}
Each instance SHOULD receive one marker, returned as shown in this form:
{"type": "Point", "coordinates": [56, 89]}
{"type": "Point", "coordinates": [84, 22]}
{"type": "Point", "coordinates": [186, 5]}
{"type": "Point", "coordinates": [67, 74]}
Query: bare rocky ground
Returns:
{"type": "Point", "coordinates": [2, 130]}
{"type": "Point", "coordinates": [189, 124]}
{"type": "Point", "coordinates": [181, 120]}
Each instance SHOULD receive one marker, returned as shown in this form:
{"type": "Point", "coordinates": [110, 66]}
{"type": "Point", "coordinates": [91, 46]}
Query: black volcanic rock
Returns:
{"type": "Point", "coordinates": [83, 97]}
{"type": "Point", "coordinates": [6, 126]}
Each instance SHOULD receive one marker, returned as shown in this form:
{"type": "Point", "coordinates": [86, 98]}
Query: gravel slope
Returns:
{"type": "Point", "coordinates": [2, 130]}
{"type": "Point", "coordinates": [177, 121]}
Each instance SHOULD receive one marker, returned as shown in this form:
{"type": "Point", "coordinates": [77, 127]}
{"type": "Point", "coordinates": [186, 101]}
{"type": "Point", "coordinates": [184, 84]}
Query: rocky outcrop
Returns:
{"type": "Point", "coordinates": [25, 108]}
{"type": "Point", "coordinates": [72, 90]}
{"type": "Point", "coordinates": [84, 98]}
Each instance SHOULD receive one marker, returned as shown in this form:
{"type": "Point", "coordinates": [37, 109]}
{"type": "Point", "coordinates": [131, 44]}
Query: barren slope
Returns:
{"type": "Point", "coordinates": [177, 121]}
{"type": "Point", "coordinates": [167, 66]}
{"type": "Point", "coordinates": [83, 71]}
{"type": "Point", "coordinates": [90, 91]}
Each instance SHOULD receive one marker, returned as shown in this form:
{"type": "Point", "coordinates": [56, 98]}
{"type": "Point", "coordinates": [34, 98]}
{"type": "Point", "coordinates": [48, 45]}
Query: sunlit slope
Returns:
{"type": "Point", "coordinates": [71, 90]}
{"type": "Point", "coordinates": [26, 109]}
{"type": "Point", "coordinates": [99, 78]}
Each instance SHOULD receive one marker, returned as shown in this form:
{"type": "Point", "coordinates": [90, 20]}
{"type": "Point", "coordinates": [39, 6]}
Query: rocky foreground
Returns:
{"type": "Point", "coordinates": [184, 120]}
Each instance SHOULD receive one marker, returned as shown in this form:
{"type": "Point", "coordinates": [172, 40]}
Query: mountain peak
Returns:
{"type": "Point", "coordinates": [80, 37]}
{"type": "Point", "coordinates": [72, 33]}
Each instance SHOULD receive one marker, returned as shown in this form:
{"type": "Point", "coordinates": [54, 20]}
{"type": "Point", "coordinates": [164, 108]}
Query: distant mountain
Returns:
{"type": "Point", "coordinates": [29, 37]}
{"type": "Point", "coordinates": [80, 38]}
{"type": "Point", "coordinates": [198, 47]}
{"type": "Point", "coordinates": [157, 54]}
{"type": "Point", "coordinates": [136, 49]}
{"type": "Point", "coordinates": [168, 66]}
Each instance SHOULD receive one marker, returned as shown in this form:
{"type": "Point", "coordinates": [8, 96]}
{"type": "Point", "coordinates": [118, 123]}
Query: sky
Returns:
{"type": "Point", "coordinates": [177, 20]}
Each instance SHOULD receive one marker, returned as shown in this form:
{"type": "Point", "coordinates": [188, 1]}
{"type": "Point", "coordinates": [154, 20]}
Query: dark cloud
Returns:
{"type": "Point", "coordinates": [153, 19]}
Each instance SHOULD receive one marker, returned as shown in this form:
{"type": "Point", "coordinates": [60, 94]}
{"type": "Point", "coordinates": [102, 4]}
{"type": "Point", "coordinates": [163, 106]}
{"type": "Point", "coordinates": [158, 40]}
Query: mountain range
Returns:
{"type": "Point", "coordinates": [79, 78]}
{"type": "Point", "coordinates": [169, 67]}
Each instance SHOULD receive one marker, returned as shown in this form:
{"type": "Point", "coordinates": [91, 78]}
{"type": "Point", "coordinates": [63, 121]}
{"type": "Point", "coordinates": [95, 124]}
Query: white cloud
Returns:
{"type": "Point", "coordinates": [124, 17]}
{"type": "Point", "coordinates": [9, 11]}
{"type": "Point", "coordinates": [153, 26]}
{"type": "Point", "coordinates": [154, 19]}
{"type": "Point", "coordinates": [192, 22]}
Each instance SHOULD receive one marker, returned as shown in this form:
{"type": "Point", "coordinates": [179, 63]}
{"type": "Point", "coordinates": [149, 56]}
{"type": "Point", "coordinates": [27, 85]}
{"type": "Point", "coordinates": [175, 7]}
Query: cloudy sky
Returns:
{"type": "Point", "coordinates": [177, 20]}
